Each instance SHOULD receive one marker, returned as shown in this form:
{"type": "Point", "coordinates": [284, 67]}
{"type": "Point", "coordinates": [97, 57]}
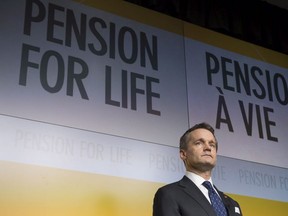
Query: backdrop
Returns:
{"type": "Point", "coordinates": [95, 95]}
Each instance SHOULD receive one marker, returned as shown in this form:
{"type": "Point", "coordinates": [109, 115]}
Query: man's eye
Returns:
{"type": "Point", "coordinates": [198, 143]}
{"type": "Point", "coordinates": [213, 145]}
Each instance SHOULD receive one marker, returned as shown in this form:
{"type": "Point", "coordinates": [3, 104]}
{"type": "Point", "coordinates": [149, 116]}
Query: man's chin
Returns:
{"type": "Point", "coordinates": [207, 166]}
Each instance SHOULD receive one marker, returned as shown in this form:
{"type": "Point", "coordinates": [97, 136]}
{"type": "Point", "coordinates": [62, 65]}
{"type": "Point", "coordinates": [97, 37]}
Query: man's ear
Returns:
{"type": "Point", "coordinates": [183, 154]}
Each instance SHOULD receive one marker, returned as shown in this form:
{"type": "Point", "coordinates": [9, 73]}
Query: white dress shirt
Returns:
{"type": "Point", "coordinates": [198, 180]}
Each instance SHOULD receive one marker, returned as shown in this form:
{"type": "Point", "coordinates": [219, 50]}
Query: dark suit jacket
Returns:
{"type": "Point", "coordinates": [184, 198]}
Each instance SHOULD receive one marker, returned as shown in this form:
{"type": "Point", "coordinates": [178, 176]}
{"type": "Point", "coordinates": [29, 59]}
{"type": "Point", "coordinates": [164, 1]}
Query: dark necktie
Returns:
{"type": "Point", "coordinates": [216, 201]}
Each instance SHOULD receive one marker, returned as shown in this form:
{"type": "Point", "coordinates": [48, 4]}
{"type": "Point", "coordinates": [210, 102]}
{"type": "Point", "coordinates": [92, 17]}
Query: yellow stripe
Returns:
{"type": "Point", "coordinates": [235, 45]}
{"type": "Point", "coordinates": [33, 191]}
{"type": "Point", "coordinates": [255, 206]}
{"type": "Point", "coordinates": [28, 190]}
{"type": "Point", "coordinates": [137, 13]}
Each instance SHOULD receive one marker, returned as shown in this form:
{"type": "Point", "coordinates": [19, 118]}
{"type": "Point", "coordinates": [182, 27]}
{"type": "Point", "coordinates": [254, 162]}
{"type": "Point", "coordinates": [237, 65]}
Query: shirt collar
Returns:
{"type": "Point", "coordinates": [198, 180]}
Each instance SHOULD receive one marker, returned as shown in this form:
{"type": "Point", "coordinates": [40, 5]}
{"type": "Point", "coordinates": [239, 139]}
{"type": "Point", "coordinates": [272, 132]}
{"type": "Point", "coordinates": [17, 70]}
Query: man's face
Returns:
{"type": "Point", "coordinates": [201, 154]}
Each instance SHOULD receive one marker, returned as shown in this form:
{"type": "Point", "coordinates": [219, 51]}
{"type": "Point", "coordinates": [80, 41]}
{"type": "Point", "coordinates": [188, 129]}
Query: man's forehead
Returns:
{"type": "Point", "coordinates": [201, 133]}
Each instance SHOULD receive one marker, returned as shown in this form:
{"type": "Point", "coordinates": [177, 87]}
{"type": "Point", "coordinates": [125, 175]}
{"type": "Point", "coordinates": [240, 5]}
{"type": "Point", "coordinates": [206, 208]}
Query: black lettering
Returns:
{"type": "Point", "coordinates": [212, 65]}
{"type": "Point", "coordinates": [247, 119]}
{"type": "Point", "coordinates": [29, 18]}
{"type": "Point", "coordinates": [280, 78]}
{"type": "Point", "coordinates": [25, 63]}
{"type": "Point", "coordinates": [48, 55]}
{"type": "Point", "coordinates": [124, 89]}
{"type": "Point", "coordinates": [53, 22]}
{"type": "Point", "coordinates": [242, 78]}
{"type": "Point", "coordinates": [152, 53]}
{"type": "Point", "coordinates": [226, 73]}
{"type": "Point", "coordinates": [76, 77]}
{"type": "Point", "coordinates": [269, 123]}
{"type": "Point", "coordinates": [226, 119]}
{"type": "Point", "coordinates": [102, 44]}
{"type": "Point", "coordinates": [123, 46]}
{"type": "Point", "coordinates": [259, 122]}
{"type": "Point", "coordinates": [135, 90]}
{"type": "Point", "coordinates": [269, 88]}
{"type": "Point", "coordinates": [80, 33]}
{"type": "Point", "coordinates": [112, 40]}
{"type": "Point", "coordinates": [108, 88]}
{"type": "Point", "coordinates": [151, 94]}
{"type": "Point", "coordinates": [255, 72]}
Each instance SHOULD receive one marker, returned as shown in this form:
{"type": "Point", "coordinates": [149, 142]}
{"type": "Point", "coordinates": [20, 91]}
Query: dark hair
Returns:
{"type": "Point", "coordinates": [183, 140]}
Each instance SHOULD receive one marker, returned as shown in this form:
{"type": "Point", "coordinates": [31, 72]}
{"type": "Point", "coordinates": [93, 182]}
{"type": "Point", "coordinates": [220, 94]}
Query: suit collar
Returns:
{"type": "Point", "coordinates": [194, 192]}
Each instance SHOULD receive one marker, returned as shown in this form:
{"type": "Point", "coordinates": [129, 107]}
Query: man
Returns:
{"type": "Point", "coordinates": [190, 196]}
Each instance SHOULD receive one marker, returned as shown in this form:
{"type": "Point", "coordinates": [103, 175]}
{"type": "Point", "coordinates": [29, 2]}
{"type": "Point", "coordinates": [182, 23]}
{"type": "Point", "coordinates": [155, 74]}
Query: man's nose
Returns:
{"type": "Point", "coordinates": [207, 146]}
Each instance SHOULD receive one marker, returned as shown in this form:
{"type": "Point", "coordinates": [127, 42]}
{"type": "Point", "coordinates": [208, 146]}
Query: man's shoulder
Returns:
{"type": "Point", "coordinates": [233, 205]}
{"type": "Point", "coordinates": [229, 199]}
{"type": "Point", "coordinates": [170, 186]}
{"type": "Point", "coordinates": [175, 185]}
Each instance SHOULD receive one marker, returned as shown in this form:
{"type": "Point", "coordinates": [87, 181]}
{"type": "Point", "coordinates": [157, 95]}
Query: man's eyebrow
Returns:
{"type": "Point", "coordinates": [199, 139]}
{"type": "Point", "coordinates": [203, 139]}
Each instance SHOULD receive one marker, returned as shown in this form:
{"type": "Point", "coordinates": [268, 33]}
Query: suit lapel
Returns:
{"type": "Point", "coordinates": [225, 199]}
{"type": "Point", "coordinates": [194, 192]}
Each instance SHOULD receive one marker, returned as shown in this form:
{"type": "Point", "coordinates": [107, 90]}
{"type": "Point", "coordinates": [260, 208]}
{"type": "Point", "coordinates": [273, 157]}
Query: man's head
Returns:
{"type": "Point", "coordinates": [198, 148]}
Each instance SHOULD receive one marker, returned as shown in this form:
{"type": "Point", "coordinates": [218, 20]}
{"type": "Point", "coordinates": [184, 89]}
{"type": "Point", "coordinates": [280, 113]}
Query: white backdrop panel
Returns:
{"type": "Point", "coordinates": [251, 124]}
{"type": "Point", "coordinates": [119, 77]}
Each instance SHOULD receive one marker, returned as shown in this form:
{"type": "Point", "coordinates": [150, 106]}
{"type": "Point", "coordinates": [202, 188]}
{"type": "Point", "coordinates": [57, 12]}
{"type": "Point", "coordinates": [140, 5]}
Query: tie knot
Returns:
{"type": "Point", "coordinates": [208, 185]}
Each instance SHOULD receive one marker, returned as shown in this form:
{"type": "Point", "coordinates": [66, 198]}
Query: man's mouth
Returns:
{"type": "Point", "coordinates": [207, 155]}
